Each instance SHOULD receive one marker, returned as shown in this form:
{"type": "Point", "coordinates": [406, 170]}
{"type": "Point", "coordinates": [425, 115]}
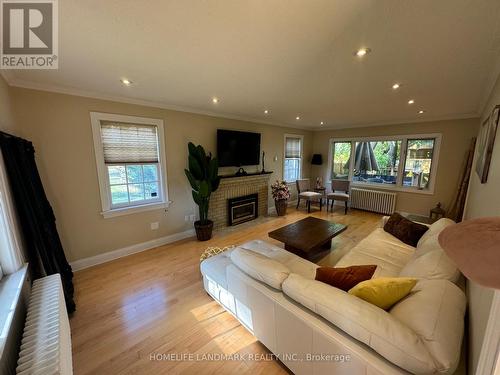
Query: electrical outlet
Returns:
{"type": "Point", "coordinates": [191, 217]}
{"type": "Point", "coordinates": [155, 225]}
{"type": "Point", "coordinates": [186, 217]}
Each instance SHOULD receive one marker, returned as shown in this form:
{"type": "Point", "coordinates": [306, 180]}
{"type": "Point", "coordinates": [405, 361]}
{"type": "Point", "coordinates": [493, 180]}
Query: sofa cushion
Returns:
{"type": "Point", "coordinates": [429, 241]}
{"type": "Point", "coordinates": [310, 194]}
{"type": "Point", "coordinates": [430, 261]}
{"type": "Point", "coordinates": [435, 311]}
{"type": "Point", "coordinates": [388, 253]}
{"type": "Point", "coordinates": [344, 278]}
{"type": "Point", "coordinates": [405, 230]}
{"type": "Point", "coordinates": [433, 264]}
{"type": "Point", "coordinates": [375, 327]}
{"type": "Point", "coordinates": [384, 291]}
{"type": "Point", "coordinates": [338, 196]}
{"type": "Point", "coordinates": [260, 267]}
{"type": "Point", "coordinates": [295, 263]}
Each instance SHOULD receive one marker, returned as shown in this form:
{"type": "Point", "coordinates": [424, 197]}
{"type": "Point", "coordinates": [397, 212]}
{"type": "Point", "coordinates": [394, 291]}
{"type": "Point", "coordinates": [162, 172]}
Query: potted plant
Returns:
{"type": "Point", "coordinates": [281, 194]}
{"type": "Point", "coordinates": [204, 179]}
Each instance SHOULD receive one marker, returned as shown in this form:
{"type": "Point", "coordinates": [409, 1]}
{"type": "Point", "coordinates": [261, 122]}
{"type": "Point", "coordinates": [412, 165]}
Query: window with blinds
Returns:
{"type": "Point", "coordinates": [293, 158]}
{"type": "Point", "coordinates": [129, 143]}
{"type": "Point", "coordinates": [130, 162]}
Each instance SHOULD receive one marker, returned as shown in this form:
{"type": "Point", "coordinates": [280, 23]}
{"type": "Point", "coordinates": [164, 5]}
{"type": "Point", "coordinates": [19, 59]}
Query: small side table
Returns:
{"type": "Point", "coordinates": [322, 191]}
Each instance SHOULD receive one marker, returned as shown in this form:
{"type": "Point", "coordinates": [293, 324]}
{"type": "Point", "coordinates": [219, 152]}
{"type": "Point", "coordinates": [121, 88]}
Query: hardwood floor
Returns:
{"type": "Point", "coordinates": [153, 303]}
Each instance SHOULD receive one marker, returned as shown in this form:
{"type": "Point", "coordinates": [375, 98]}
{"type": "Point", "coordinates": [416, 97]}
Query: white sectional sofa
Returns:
{"type": "Point", "coordinates": [315, 328]}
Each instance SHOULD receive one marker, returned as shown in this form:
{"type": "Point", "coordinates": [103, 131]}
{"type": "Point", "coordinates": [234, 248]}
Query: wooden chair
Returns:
{"type": "Point", "coordinates": [304, 192]}
{"type": "Point", "coordinates": [340, 192]}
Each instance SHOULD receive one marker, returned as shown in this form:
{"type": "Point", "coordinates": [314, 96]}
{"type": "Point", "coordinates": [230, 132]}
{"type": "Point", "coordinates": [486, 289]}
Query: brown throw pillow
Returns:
{"type": "Point", "coordinates": [344, 278]}
{"type": "Point", "coordinates": [405, 230]}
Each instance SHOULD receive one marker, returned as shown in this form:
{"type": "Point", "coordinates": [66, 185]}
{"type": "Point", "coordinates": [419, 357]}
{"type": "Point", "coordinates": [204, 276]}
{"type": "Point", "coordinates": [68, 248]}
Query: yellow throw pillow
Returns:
{"type": "Point", "coordinates": [384, 291]}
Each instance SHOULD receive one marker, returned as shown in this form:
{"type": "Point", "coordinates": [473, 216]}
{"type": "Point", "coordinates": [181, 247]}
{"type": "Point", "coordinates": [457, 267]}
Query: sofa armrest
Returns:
{"type": "Point", "coordinates": [365, 322]}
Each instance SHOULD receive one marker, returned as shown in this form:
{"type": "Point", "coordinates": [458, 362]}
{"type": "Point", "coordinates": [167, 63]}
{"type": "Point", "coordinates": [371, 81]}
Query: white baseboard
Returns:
{"type": "Point", "coordinates": [81, 264]}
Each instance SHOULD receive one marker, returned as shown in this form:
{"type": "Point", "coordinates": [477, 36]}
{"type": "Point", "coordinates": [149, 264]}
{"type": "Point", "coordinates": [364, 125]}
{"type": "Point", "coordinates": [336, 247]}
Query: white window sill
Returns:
{"type": "Point", "coordinates": [135, 209]}
{"type": "Point", "coordinates": [10, 291]}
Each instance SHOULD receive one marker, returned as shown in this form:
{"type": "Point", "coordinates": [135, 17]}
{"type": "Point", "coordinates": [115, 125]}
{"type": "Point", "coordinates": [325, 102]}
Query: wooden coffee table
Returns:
{"type": "Point", "coordinates": [308, 237]}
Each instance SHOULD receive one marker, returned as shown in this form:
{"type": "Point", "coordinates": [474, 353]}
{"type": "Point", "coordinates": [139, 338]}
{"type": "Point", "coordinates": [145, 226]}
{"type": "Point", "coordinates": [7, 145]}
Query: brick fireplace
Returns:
{"type": "Point", "coordinates": [235, 187]}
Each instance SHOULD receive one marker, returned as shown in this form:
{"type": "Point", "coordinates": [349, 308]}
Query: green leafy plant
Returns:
{"type": "Point", "coordinates": [203, 177]}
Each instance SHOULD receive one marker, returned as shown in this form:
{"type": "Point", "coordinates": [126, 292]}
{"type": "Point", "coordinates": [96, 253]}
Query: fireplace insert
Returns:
{"type": "Point", "coordinates": [242, 209]}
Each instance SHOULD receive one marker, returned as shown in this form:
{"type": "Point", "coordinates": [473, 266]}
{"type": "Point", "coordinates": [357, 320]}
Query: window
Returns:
{"type": "Point", "coordinates": [134, 183]}
{"type": "Point", "coordinates": [417, 172]}
{"type": "Point", "coordinates": [376, 162]}
{"type": "Point", "coordinates": [400, 162]}
{"type": "Point", "coordinates": [292, 169]}
{"type": "Point", "coordinates": [11, 254]}
{"type": "Point", "coordinates": [341, 156]}
{"type": "Point", "coordinates": [130, 163]}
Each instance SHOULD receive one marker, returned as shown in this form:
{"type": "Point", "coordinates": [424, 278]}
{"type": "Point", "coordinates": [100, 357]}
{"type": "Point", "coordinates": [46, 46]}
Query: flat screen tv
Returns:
{"type": "Point", "coordinates": [236, 149]}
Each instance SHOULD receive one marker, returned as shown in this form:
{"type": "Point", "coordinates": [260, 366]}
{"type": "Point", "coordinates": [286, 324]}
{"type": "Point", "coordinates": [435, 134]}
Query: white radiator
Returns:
{"type": "Point", "coordinates": [46, 344]}
{"type": "Point", "coordinates": [373, 200]}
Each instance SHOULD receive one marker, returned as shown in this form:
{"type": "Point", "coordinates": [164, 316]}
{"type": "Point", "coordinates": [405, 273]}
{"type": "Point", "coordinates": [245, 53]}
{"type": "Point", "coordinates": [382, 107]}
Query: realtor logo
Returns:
{"type": "Point", "coordinates": [29, 34]}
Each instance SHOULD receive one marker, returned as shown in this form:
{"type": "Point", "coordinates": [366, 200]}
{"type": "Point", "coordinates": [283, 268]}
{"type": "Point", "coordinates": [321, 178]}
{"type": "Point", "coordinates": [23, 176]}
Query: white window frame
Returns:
{"type": "Point", "coordinates": [301, 154]}
{"type": "Point", "coordinates": [143, 202]}
{"type": "Point", "coordinates": [108, 210]}
{"type": "Point", "coordinates": [402, 161]}
{"type": "Point", "coordinates": [12, 257]}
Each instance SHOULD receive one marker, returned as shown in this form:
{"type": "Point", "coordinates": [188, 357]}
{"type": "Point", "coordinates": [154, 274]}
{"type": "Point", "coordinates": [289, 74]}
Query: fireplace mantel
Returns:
{"type": "Point", "coordinates": [245, 175]}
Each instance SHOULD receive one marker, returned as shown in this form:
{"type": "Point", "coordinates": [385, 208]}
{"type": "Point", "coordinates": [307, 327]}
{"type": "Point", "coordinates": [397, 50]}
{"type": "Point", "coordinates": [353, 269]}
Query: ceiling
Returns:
{"type": "Point", "coordinates": [291, 57]}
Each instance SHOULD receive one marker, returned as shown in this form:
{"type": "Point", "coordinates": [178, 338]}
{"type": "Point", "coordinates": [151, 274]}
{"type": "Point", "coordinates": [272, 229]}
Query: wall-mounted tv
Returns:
{"type": "Point", "coordinates": [236, 149]}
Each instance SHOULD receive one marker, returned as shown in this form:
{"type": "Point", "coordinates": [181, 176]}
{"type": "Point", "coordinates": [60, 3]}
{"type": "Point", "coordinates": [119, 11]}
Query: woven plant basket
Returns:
{"type": "Point", "coordinates": [281, 206]}
{"type": "Point", "coordinates": [203, 231]}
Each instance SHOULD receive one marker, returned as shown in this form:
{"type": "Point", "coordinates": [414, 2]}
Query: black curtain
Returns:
{"type": "Point", "coordinates": [36, 218]}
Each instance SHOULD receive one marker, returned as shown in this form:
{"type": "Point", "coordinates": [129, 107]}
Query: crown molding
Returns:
{"type": "Point", "coordinates": [8, 75]}
{"type": "Point", "coordinates": [13, 82]}
{"type": "Point", "coordinates": [146, 103]}
{"type": "Point", "coordinates": [400, 122]}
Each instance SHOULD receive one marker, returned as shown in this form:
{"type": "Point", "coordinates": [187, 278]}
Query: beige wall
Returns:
{"type": "Point", "coordinates": [7, 123]}
{"type": "Point", "coordinates": [456, 137]}
{"type": "Point", "coordinates": [59, 126]}
{"type": "Point", "coordinates": [483, 200]}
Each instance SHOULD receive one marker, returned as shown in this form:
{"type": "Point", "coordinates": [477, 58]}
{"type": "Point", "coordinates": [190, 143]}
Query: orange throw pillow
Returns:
{"type": "Point", "coordinates": [345, 278]}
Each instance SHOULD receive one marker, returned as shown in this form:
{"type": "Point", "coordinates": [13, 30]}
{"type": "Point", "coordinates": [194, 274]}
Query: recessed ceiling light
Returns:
{"type": "Point", "coordinates": [411, 101]}
{"type": "Point", "coordinates": [396, 86]}
{"type": "Point", "coordinates": [297, 118]}
{"type": "Point", "coordinates": [215, 100]}
{"type": "Point", "coordinates": [126, 81]}
{"type": "Point", "coordinates": [421, 111]}
{"type": "Point", "coordinates": [362, 52]}
{"type": "Point", "coordinates": [321, 123]}
{"type": "Point", "coordinates": [266, 111]}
